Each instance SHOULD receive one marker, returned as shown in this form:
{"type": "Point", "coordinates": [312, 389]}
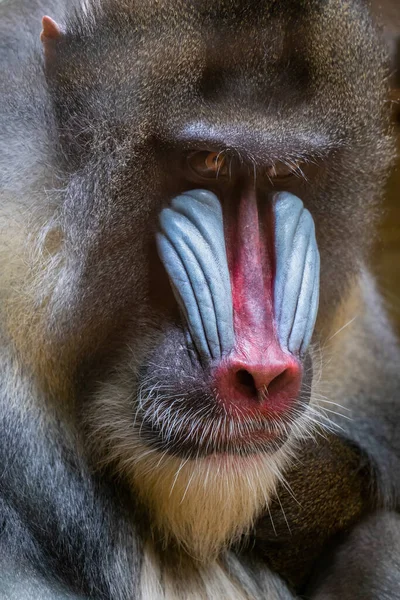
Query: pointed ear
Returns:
{"type": "Point", "coordinates": [51, 32]}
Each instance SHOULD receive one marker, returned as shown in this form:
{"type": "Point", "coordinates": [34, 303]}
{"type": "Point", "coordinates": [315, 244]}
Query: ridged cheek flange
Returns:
{"type": "Point", "coordinates": [296, 288]}
{"type": "Point", "coordinates": [191, 245]}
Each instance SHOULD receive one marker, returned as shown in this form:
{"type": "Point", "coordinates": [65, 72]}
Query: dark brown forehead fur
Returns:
{"type": "Point", "coordinates": [125, 58]}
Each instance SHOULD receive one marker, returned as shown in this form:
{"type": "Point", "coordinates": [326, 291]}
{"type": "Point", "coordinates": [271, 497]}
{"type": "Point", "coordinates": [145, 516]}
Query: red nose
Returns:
{"type": "Point", "coordinates": [258, 376]}
{"type": "Point", "coordinates": [270, 386]}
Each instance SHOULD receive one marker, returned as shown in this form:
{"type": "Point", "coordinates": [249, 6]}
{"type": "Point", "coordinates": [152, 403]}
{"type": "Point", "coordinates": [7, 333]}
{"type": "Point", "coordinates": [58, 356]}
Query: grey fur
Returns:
{"type": "Point", "coordinates": [364, 562]}
{"type": "Point", "coordinates": [88, 159]}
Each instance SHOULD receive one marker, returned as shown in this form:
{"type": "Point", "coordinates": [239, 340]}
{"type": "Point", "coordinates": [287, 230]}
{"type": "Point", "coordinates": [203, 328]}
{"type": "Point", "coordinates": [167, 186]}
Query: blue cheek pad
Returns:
{"type": "Point", "coordinates": [191, 245]}
{"type": "Point", "coordinates": [296, 293]}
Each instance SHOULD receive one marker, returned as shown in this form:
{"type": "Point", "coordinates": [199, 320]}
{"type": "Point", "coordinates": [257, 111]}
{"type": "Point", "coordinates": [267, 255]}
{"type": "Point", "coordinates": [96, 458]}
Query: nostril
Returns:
{"type": "Point", "coordinates": [246, 379]}
{"type": "Point", "coordinates": [279, 382]}
{"type": "Point", "coordinates": [262, 383]}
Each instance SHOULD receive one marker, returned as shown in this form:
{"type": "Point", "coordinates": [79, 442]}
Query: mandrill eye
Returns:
{"type": "Point", "coordinates": [208, 164]}
{"type": "Point", "coordinates": [280, 170]}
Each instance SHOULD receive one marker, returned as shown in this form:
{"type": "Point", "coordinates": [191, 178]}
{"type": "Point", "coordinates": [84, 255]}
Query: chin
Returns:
{"type": "Point", "coordinates": [203, 465]}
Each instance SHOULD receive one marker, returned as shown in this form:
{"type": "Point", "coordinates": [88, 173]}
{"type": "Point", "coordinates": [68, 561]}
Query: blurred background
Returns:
{"type": "Point", "coordinates": [387, 251]}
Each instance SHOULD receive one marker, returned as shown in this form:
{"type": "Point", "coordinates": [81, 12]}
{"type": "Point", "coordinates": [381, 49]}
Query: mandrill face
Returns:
{"type": "Point", "coordinates": [247, 285]}
{"type": "Point", "coordinates": [205, 164]}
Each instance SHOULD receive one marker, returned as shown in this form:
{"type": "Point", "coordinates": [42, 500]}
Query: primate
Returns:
{"type": "Point", "coordinates": [199, 384]}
